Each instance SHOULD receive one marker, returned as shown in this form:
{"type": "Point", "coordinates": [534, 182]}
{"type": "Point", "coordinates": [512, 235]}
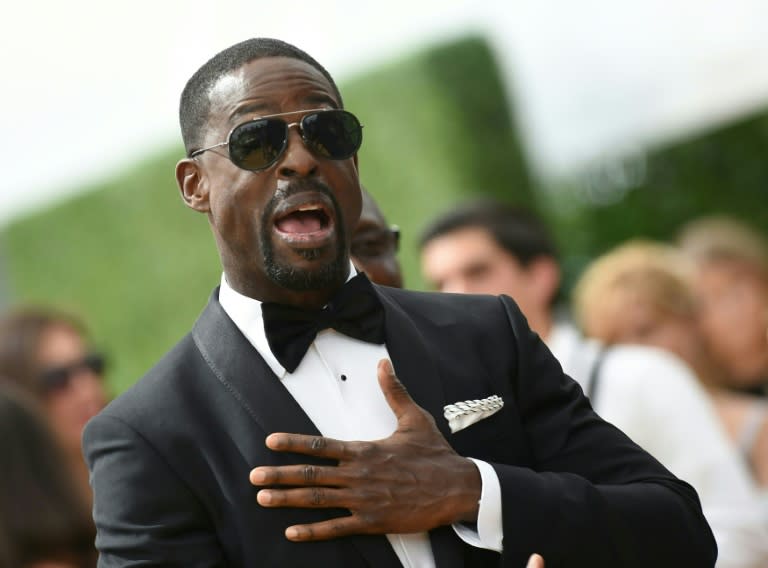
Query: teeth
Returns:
{"type": "Point", "coordinates": [308, 208]}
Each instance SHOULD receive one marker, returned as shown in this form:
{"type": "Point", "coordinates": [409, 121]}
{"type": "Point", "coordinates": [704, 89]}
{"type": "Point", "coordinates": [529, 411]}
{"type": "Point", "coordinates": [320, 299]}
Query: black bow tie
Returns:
{"type": "Point", "coordinates": [355, 310]}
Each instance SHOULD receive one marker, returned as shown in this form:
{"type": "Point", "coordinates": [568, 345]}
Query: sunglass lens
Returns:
{"type": "Point", "coordinates": [256, 144]}
{"type": "Point", "coordinates": [335, 134]}
{"type": "Point", "coordinates": [54, 379]}
{"type": "Point", "coordinates": [95, 362]}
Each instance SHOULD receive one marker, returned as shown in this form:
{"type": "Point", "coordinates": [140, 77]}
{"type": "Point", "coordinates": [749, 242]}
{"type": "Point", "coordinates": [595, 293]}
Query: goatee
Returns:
{"type": "Point", "coordinates": [291, 277]}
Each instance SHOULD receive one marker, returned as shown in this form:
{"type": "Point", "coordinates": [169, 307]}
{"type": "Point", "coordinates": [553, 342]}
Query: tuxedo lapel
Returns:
{"type": "Point", "coordinates": [415, 364]}
{"type": "Point", "coordinates": [447, 547]}
{"type": "Point", "coordinates": [244, 373]}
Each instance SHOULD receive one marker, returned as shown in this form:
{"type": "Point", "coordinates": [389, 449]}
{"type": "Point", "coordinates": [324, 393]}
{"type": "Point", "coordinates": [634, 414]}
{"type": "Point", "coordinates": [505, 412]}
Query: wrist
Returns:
{"type": "Point", "coordinates": [468, 490]}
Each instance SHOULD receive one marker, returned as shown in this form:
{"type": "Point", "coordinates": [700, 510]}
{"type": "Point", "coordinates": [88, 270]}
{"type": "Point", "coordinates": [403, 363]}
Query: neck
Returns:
{"type": "Point", "coordinates": [541, 323]}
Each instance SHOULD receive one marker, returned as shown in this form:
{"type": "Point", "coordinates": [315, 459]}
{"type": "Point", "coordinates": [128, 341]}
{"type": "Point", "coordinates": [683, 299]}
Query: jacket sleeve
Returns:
{"type": "Point", "coordinates": [144, 513]}
{"type": "Point", "coordinates": [593, 497]}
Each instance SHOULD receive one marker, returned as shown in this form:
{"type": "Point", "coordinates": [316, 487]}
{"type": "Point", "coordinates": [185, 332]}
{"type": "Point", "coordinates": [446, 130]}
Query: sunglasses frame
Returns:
{"type": "Point", "coordinates": [57, 378]}
{"type": "Point", "coordinates": [288, 125]}
{"type": "Point", "coordinates": [391, 233]}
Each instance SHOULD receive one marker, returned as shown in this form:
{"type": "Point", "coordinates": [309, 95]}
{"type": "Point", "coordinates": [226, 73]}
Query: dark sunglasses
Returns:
{"type": "Point", "coordinates": [376, 243]}
{"type": "Point", "coordinates": [57, 378]}
{"type": "Point", "coordinates": [257, 144]}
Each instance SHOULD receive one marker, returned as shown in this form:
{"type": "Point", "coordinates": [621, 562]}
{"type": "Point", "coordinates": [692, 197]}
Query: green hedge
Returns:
{"type": "Point", "coordinates": [720, 171]}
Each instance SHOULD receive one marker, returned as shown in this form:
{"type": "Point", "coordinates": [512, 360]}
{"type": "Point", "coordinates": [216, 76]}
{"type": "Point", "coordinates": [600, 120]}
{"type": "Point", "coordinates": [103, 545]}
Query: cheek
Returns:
{"type": "Point", "coordinates": [62, 410]}
{"type": "Point", "coordinates": [346, 187]}
{"type": "Point", "coordinates": [236, 214]}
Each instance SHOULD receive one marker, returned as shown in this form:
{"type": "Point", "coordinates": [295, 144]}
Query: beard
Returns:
{"type": "Point", "coordinates": [291, 277]}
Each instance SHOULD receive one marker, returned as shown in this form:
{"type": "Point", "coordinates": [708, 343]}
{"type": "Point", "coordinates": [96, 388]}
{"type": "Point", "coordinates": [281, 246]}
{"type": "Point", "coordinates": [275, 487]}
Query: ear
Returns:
{"type": "Point", "coordinates": [193, 185]}
{"type": "Point", "coordinates": [545, 273]}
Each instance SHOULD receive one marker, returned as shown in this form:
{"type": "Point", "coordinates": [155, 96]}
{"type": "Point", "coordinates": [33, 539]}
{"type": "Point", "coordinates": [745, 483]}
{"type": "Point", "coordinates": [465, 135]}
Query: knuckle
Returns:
{"type": "Point", "coordinates": [367, 449]}
{"type": "Point", "coordinates": [309, 473]}
{"type": "Point", "coordinates": [364, 473]}
{"type": "Point", "coordinates": [318, 443]}
{"type": "Point", "coordinates": [317, 496]}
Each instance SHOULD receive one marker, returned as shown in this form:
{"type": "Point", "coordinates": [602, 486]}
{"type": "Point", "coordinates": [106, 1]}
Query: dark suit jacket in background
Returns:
{"type": "Point", "coordinates": [170, 458]}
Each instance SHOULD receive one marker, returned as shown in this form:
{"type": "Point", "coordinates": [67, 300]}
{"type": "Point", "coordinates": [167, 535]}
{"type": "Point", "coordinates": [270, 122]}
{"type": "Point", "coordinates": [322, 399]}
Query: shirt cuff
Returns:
{"type": "Point", "coordinates": [489, 533]}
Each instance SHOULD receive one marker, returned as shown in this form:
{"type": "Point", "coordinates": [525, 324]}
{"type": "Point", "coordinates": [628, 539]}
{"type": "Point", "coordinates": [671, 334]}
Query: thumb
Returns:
{"type": "Point", "coordinates": [394, 391]}
{"type": "Point", "coordinates": [535, 561]}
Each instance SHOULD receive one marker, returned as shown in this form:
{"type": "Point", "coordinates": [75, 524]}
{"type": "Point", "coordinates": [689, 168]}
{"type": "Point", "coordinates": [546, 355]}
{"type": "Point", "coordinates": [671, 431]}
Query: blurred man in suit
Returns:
{"type": "Point", "coordinates": [374, 245]}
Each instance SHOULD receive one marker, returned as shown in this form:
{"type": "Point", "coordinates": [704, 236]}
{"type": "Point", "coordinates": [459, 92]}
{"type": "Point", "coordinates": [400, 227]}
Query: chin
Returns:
{"type": "Point", "coordinates": [309, 272]}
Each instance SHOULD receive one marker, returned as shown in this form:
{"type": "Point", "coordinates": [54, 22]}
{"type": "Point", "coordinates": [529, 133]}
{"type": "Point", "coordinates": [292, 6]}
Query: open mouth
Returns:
{"type": "Point", "coordinates": [307, 223]}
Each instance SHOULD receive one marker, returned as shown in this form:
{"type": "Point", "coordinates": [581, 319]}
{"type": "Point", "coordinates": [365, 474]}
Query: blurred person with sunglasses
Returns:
{"type": "Point", "coordinates": [312, 418]}
{"type": "Point", "coordinates": [730, 281]}
{"type": "Point", "coordinates": [47, 354]}
{"type": "Point", "coordinates": [43, 523]}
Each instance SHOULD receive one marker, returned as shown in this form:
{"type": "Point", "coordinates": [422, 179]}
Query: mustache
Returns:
{"type": "Point", "coordinates": [300, 186]}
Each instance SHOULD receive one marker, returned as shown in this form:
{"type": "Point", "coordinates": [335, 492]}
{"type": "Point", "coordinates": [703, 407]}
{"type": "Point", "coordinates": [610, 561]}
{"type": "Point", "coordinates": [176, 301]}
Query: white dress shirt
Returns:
{"type": "Point", "coordinates": [656, 400]}
{"type": "Point", "coordinates": [337, 387]}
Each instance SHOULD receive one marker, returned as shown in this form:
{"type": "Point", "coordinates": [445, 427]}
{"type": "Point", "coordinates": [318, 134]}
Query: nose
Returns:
{"type": "Point", "coordinates": [297, 160]}
{"type": "Point", "coordinates": [88, 389]}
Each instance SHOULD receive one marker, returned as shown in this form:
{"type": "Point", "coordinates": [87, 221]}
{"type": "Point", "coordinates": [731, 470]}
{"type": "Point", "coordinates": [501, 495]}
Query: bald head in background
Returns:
{"type": "Point", "coordinates": [375, 244]}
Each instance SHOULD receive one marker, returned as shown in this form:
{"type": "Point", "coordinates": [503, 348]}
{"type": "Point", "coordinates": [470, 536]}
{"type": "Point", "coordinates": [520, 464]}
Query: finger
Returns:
{"type": "Point", "coordinates": [306, 498]}
{"type": "Point", "coordinates": [309, 445]}
{"type": "Point", "coordinates": [394, 391]}
{"type": "Point", "coordinates": [303, 474]}
{"type": "Point", "coordinates": [326, 530]}
{"type": "Point", "coordinates": [535, 561]}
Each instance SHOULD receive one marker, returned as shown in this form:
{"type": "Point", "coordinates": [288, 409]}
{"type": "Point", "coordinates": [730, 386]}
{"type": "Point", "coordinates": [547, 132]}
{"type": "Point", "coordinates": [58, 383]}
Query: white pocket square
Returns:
{"type": "Point", "coordinates": [463, 414]}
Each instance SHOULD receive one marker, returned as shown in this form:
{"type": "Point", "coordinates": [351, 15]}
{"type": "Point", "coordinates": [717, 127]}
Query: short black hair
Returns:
{"type": "Point", "coordinates": [518, 231]}
{"type": "Point", "coordinates": [195, 101]}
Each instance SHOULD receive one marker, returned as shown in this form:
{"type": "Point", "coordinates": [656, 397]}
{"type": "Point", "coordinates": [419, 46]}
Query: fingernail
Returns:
{"type": "Point", "coordinates": [264, 497]}
{"type": "Point", "coordinates": [258, 476]}
{"type": "Point", "coordinates": [291, 533]}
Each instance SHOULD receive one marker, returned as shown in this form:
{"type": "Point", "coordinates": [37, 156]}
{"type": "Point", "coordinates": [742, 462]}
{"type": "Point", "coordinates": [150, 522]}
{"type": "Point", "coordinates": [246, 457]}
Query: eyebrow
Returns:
{"type": "Point", "coordinates": [255, 107]}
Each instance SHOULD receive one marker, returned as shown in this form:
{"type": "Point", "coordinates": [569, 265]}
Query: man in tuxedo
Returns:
{"type": "Point", "coordinates": [311, 418]}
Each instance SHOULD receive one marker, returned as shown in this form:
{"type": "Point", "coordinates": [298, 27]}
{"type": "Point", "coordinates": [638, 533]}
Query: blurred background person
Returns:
{"type": "Point", "coordinates": [639, 293]}
{"type": "Point", "coordinates": [731, 283]}
{"type": "Point", "coordinates": [47, 354]}
{"type": "Point", "coordinates": [487, 247]}
{"type": "Point", "coordinates": [375, 244]}
{"type": "Point", "coordinates": [43, 523]}
{"type": "Point", "coordinates": [493, 248]}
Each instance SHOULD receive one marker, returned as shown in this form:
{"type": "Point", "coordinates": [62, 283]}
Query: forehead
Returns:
{"type": "Point", "coordinates": [463, 249]}
{"type": "Point", "coordinates": [475, 239]}
{"type": "Point", "coordinates": [370, 215]}
{"type": "Point", "coordinates": [269, 85]}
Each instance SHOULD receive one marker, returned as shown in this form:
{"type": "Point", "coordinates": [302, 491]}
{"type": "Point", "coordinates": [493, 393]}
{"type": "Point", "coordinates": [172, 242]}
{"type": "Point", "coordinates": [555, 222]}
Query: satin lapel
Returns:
{"type": "Point", "coordinates": [447, 547]}
{"type": "Point", "coordinates": [415, 364]}
{"type": "Point", "coordinates": [244, 373]}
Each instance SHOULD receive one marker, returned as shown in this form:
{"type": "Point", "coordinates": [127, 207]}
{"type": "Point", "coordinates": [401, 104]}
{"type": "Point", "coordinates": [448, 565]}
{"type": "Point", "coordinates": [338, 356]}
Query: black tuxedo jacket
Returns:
{"type": "Point", "coordinates": [170, 458]}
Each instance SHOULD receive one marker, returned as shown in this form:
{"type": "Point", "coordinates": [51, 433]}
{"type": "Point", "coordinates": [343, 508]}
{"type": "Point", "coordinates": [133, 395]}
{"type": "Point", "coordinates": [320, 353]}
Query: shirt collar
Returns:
{"type": "Point", "coordinates": [245, 312]}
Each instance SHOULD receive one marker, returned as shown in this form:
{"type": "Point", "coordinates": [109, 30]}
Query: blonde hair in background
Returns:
{"type": "Point", "coordinates": [725, 238]}
{"type": "Point", "coordinates": [639, 270]}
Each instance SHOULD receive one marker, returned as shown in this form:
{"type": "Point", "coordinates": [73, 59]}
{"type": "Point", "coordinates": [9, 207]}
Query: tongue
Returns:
{"type": "Point", "coordinates": [300, 222]}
